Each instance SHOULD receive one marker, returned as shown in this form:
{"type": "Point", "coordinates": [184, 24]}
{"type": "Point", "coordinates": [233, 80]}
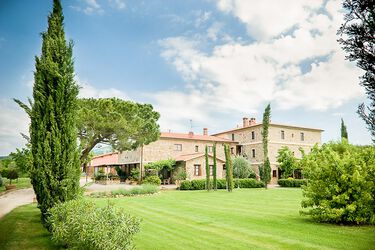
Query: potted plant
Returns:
{"type": "Point", "coordinates": [134, 177]}
{"type": "Point", "coordinates": [12, 175]}
{"type": "Point", "coordinates": [179, 176]}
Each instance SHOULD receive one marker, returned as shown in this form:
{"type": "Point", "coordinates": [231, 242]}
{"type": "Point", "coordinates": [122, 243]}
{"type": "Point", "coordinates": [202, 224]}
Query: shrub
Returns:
{"type": "Point", "coordinates": [152, 180]}
{"type": "Point", "coordinates": [241, 167]}
{"type": "Point", "coordinates": [1, 181]}
{"type": "Point", "coordinates": [221, 184]}
{"type": "Point", "coordinates": [138, 190]}
{"type": "Point", "coordinates": [100, 177]}
{"type": "Point", "coordinates": [12, 175]}
{"type": "Point", "coordinates": [79, 224]}
{"type": "Point", "coordinates": [341, 186]}
{"type": "Point", "coordinates": [134, 174]}
{"type": "Point", "coordinates": [290, 182]}
{"type": "Point", "coordinates": [4, 172]}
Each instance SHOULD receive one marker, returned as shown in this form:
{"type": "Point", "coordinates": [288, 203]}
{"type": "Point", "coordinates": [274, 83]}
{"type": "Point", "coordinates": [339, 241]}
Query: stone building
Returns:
{"type": "Point", "coordinates": [250, 145]}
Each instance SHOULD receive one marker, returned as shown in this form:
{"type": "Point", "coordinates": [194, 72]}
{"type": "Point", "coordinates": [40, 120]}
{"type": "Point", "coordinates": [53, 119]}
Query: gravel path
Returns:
{"type": "Point", "coordinates": [14, 199]}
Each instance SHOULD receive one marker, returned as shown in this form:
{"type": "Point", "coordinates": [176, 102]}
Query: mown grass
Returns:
{"type": "Point", "coordinates": [244, 219]}
{"type": "Point", "coordinates": [22, 229]}
{"type": "Point", "coordinates": [20, 183]}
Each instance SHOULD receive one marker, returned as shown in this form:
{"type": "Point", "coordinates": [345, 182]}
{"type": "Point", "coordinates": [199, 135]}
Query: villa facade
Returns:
{"type": "Point", "coordinates": [188, 150]}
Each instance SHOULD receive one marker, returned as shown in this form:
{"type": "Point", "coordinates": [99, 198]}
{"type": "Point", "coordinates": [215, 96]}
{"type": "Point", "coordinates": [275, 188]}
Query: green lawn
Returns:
{"type": "Point", "coordinates": [20, 183]}
{"type": "Point", "coordinates": [244, 219]}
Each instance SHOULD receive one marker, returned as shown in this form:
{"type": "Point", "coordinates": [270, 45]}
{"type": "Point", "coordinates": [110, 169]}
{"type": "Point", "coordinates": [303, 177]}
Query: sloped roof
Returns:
{"type": "Point", "coordinates": [189, 157]}
{"type": "Point", "coordinates": [193, 137]}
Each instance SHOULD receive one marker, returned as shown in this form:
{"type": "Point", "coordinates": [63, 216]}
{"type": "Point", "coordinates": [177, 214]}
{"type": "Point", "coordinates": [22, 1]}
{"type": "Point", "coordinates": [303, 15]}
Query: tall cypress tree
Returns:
{"type": "Point", "coordinates": [214, 167]}
{"type": "Point", "coordinates": [207, 170]}
{"type": "Point", "coordinates": [229, 168]}
{"type": "Point", "coordinates": [344, 132]}
{"type": "Point", "coordinates": [55, 170]}
{"type": "Point", "coordinates": [266, 173]}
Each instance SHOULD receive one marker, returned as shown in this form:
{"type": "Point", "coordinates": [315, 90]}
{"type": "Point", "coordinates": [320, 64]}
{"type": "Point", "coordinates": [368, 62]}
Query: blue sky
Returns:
{"type": "Point", "coordinates": [212, 62]}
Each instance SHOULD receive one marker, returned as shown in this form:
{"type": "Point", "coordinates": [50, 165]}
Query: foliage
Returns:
{"type": "Point", "coordinates": [12, 175]}
{"type": "Point", "coordinates": [200, 184]}
{"type": "Point", "coordinates": [287, 161]}
{"type": "Point", "coordinates": [266, 171]}
{"type": "Point", "coordinates": [180, 174]}
{"type": "Point", "coordinates": [4, 172]}
{"type": "Point", "coordinates": [23, 160]}
{"type": "Point", "coordinates": [100, 176]}
{"type": "Point", "coordinates": [291, 182]}
{"type": "Point", "coordinates": [121, 173]}
{"type": "Point", "coordinates": [229, 168]}
{"type": "Point", "coordinates": [1, 181]}
{"type": "Point", "coordinates": [242, 167]}
{"type": "Point", "coordinates": [152, 180]}
{"type": "Point", "coordinates": [138, 190]}
{"type": "Point", "coordinates": [344, 132]}
{"type": "Point", "coordinates": [214, 168]}
{"type": "Point", "coordinates": [53, 137]}
{"type": "Point", "coordinates": [207, 184]}
{"type": "Point", "coordinates": [124, 125]}
{"type": "Point", "coordinates": [357, 39]}
{"type": "Point", "coordinates": [159, 165]}
{"type": "Point", "coordinates": [134, 174]}
{"type": "Point", "coordinates": [80, 224]}
{"type": "Point", "coordinates": [341, 186]}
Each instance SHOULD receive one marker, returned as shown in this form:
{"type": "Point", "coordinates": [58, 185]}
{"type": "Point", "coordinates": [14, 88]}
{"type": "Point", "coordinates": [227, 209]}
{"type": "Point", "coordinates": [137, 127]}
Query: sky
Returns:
{"type": "Point", "coordinates": [205, 63]}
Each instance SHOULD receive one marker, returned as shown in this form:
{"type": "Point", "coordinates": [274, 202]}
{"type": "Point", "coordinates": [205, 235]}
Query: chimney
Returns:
{"type": "Point", "coordinates": [252, 121]}
{"type": "Point", "coordinates": [245, 121]}
{"type": "Point", "coordinates": [191, 134]}
{"type": "Point", "coordinates": [205, 131]}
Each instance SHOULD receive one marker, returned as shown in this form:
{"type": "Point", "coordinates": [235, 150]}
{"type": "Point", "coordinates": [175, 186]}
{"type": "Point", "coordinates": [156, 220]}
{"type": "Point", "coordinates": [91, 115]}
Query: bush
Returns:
{"type": "Point", "coordinates": [341, 186]}
{"type": "Point", "coordinates": [138, 190]}
{"type": "Point", "coordinates": [152, 180]}
{"type": "Point", "coordinates": [242, 167]}
{"type": "Point", "coordinates": [291, 182]}
{"type": "Point", "coordinates": [100, 176]}
{"type": "Point", "coordinates": [79, 224]}
{"type": "Point", "coordinates": [221, 184]}
{"type": "Point", "coordinates": [134, 174]}
{"type": "Point", "coordinates": [1, 181]}
{"type": "Point", "coordinates": [4, 172]}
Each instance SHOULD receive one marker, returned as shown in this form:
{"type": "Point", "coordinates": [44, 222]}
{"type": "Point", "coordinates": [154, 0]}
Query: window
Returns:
{"type": "Point", "coordinates": [224, 167]}
{"type": "Point", "coordinates": [178, 147]}
{"type": "Point", "coordinates": [253, 151]}
{"type": "Point", "coordinates": [197, 170]}
{"type": "Point", "coordinates": [282, 134]}
{"type": "Point", "coordinates": [252, 135]}
{"type": "Point", "coordinates": [302, 136]}
{"type": "Point", "coordinates": [196, 148]}
{"type": "Point", "coordinates": [211, 170]}
{"type": "Point", "coordinates": [232, 137]}
{"type": "Point", "coordinates": [210, 149]}
{"type": "Point", "coordinates": [232, 150]}
{"type": "Point", "coordinates": [274, 173]}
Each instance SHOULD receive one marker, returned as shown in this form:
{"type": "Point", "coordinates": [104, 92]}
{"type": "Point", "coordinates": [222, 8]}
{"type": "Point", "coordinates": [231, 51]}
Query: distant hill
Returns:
{"type": "Point", "coordinates": [4, 157]}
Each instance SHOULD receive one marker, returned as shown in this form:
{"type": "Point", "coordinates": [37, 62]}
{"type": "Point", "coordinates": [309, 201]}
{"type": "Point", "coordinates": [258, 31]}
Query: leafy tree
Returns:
{"type": "Point", "coordinates": [214, 167]}
{"type": "Point", "coordinates": [12, 175]}
{"type": "Point", "coordinates": [344, 132]}
{"type": "Point", "coordinates": [23, 159]}
{"type": "Point", "coordinates": [124, 125]}
{"type": "Point", "coordinates": [229, 168]}
{"type": "Point", "coordinates": [55, 169]}
{"type": "Point", "coordinates": [159, 165]}
{"type": "Point", "coordinates": [207, 170]}
{"type": "Point", "coordinates": [340, 187]}
{"type": "Point", "coordinates": [241, 167]}
{"type": "Point", "coordinates": [357, 39]}
{"type": "Point", "coordinates": [266, 176]}
{"type": "Point", "coordinates": [288, 162]}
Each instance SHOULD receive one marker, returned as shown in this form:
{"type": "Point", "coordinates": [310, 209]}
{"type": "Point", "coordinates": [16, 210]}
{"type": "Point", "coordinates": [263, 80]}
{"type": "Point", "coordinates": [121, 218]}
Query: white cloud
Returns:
{"type": "Point", "coordinates": [202, 18]}
{"type": "Point", "coordinates": [89, 91]}
{"type": "Point", "coordinates": [89, 7]}
{"type": "Point", "coordinates": [285, 68]}
{"type": "Point", "coordinates": [117, 4]}
{"type": "Point", "coordinates": [14, 121]}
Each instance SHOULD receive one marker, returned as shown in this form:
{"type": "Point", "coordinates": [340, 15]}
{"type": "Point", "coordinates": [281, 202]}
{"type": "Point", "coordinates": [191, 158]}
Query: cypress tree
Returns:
{"type": "Point", "coordinates": [344, 132]}
{"type": "Point", "coordinates": [229, 170]}
{"type": "Point", "coordinates": [55, 170]}
{"type": "Point", "coordinates": [207, 170]}
{"type": "Point", "coordinates": [214, 167]}
{"type": "Point", "coordinates": [266, 174]}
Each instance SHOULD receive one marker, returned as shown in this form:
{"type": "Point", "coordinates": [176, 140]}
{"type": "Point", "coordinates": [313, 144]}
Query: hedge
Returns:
{"type": "Point", "coordinates": [221, 184]}
{"type": "Point", "coordinates": [292, 182]}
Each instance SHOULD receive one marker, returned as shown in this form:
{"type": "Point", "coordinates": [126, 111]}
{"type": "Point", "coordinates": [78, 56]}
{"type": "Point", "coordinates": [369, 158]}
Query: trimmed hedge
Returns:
{"type": "Point", "coordinates": [153, 179]}
{"type": "Point", "coordinates": [221, 184]}
{"type": "Point", "coordinates": [292, 182]}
